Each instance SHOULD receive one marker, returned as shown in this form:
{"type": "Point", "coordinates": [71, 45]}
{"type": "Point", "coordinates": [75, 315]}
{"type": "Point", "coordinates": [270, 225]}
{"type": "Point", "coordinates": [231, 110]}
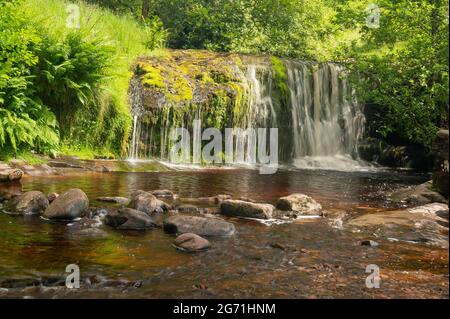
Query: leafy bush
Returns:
{"type": "Point", "coordinates": [25, 122]}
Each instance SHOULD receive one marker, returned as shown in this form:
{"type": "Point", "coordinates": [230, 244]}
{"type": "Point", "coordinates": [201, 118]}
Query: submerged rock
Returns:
{"type": "Point", "coordinates": [240, 208]}
{"type": "Point", "coordinates": [148, 203]}
{"type": "Point", "coordinates": [191, 242]}
{"type": "Point", "coordinates": [204, 226]}
{"type": "Point", "coordinates": [129, 219]}
{"type": "Point", "coordinates": [299, 203]}
{"type": "Point", "coordinates": [70, 205]}
{"type": "Point", "coordinates": [422, 224]}
{"type": "Point", "coordinates": [117, 200]}
{"type": "Point", "coordinates": [29, 203]}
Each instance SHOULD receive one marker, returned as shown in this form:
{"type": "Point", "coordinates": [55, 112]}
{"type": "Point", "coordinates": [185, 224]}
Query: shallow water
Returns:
{"type": "Point", "coordinates": [304, 259]}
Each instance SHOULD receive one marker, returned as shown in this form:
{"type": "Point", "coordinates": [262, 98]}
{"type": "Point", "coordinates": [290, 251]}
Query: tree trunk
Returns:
{"type": "Point", "coordinates": [145, 8]}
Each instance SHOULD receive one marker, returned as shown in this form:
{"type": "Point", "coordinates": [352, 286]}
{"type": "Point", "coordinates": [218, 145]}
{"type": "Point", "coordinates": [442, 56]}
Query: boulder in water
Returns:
{"type": "Point", "coordinates": [299, 203]}
{"type": "Point", "coordinates": [29, 203]}
{"type": "Point", "coordinates": [191, 242]}
{"type": "Point", "coordinates": [204, 226]}
{"type": "Point", "coordinates": [70, 205]}
{"type": "Point", "coordinates": [148, 203]}
{"type": "Point", "coordinates": [241, 208]}
{"type": "Point", "coordinates": [129, 219]}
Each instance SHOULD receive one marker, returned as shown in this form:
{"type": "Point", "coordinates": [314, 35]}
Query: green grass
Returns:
{"type": "Point", "coordinates": [27, 157]}
{"type": "Point", "coordinates": [124, 33]}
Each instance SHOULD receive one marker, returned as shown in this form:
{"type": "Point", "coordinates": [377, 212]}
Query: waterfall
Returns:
{"type": "Point", "coordinates": [327, 120]}
{"type": "Point", "coordinates": [320, 120]}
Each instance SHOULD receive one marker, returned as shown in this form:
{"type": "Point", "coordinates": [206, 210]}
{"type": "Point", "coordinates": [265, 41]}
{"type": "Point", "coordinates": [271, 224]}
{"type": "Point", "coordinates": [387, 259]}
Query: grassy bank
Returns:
{"type": "Point", "coordinates": [79, 74]}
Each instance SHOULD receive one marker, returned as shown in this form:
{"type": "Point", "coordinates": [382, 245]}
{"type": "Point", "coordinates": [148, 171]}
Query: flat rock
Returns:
{"type": "Point", "coordinates": [203, 226]}
{"type": "Point", "coordinates": [241, 208]}
{"type": "Point", "coordinates": [299, 203]}
{"type": "Point", "coordinates": [29, 203]}
{"type": "Point", "coordinates": [191, 242]}
{"type": "Point", "coordinates": [117, 200]}
{"type": "Point", "coordinates": [129, 219]}
{"type": "Point", "coordinates": [72, 204]}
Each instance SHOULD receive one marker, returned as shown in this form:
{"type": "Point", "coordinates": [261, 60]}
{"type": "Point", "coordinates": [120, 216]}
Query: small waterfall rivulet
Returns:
{"type": "Point", "coordinates": [314, 108]}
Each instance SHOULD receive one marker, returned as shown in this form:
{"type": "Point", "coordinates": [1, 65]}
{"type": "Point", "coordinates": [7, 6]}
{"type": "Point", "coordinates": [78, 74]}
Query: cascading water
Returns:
{"type": "Point", "coordinates": [327, 121]}
{"type": "Point", "coordinates": [320, 121]}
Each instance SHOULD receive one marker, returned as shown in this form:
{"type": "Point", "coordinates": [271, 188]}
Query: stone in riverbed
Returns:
{"type": "Point", "coordinates": [370, 243]}
{"type": "Point", "coordinates": [191, 242]}
{"type": "Point", "coordinates": [129, 219]}
{"type": "Point", "coordinates": [203, 226]}
{"type": "Point", "coordinates": [70, 205]}
{"type": "Point", "coordinates": [299, 203]}
{"type": "Point", "coordinates": [148, 203]}
{"type": "Point", "coordinates": [241, 208]}
{"type": "Point", "coordinates": [117, 200]}
{"type": "Point", "coordinates": [10, 175]}
{"type": "Point", "coordinates": [29, 203]}
{"type": "Point", "coordinates": [51, 197]}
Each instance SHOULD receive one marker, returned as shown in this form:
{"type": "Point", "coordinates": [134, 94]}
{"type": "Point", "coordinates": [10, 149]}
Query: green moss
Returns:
{"type": "Point", "coordinates": [152, 77]}
{"type": "Point", "coordinates": [280, 78]}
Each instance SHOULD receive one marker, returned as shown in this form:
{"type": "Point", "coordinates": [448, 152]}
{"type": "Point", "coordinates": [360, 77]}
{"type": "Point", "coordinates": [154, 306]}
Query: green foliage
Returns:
{"type": "Point", "coordinates": [401, 68]}
{"type": "Point", "coordinates": [279, 27]}
{"type": "Point", "coordinates": [81, 75]}
{"type": "Point", "coordinates": [25, 122]}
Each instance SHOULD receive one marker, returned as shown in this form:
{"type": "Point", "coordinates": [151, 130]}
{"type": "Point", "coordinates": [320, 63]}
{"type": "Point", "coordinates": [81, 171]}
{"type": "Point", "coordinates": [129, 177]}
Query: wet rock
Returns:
{"type": "Point", "coordinates": [29, 203]}
{"type": "Point", "coordinates": [240, 208]}
{"type": "Point", "coordinates": [51, 197]}
{"type": "Point", "coordinates": [370, 243]}
{"type": "Point", "coordinates": [10, 175]}
{"type": "Point", "coordinates": [300, 203]}
{"type": "Point", "coordinates": [117, 200]}
{"type": "Point", "coordinates": [58, 164]}
{"type": "Point", "coordinates": [148, 203]}
{"type": "Point", "coordinates": [418, 222]}
{"type": "Point", "coordinates": [429, 209]}
{"type": "Point", "coordinates": [191, 242]}
{"type": "Point", "coordinates": [129, 219]}
{"type": "Point", "coordinates": [72, 204]}
{"type": "Point", "coordinates": [162, 193]}
{"type": "Point", "coordinates": [203, 226]}
{"type": "Point", "coordinates": [418, 195]}
{"type": "Point", "coordinates": [441, 166]}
